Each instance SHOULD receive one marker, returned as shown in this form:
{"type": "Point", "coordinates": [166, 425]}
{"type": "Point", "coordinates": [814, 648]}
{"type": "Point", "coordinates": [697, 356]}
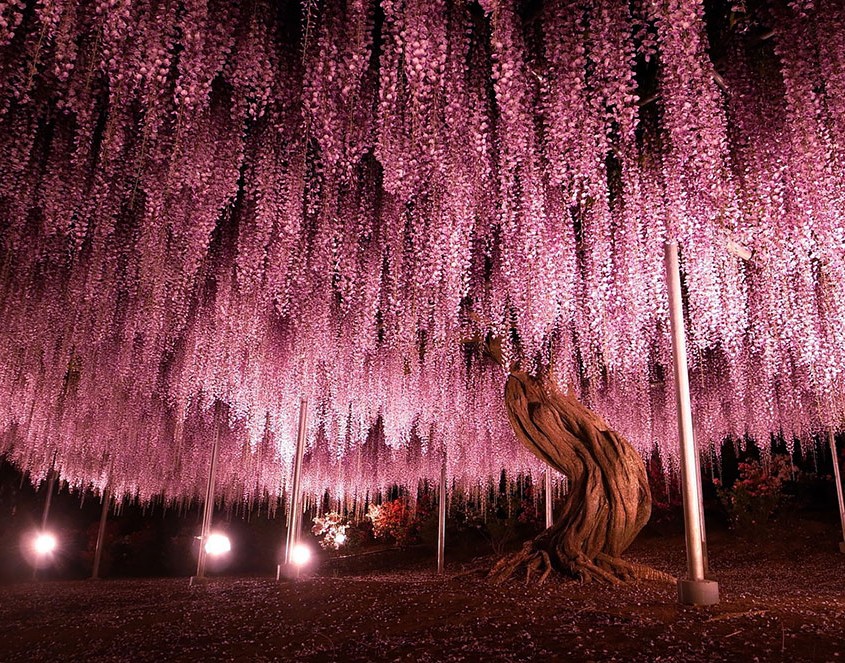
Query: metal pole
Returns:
{"type": "Point", "coordinates": [208, 507]}
{"type": "Point", "coordinates": [549, 497]}
{"type": "Point", "coordinates": [101, 533]}
{"type": "Point", "coordinates": [51, 484]}
{"type": "Point", "coordinates": [294, 515]}
{"type": "Point", "coordinates": [696, 589]}
{"type": "Point", "coordinates": [838, 478]}
{"type": "Point", "coordinates": [441, 520]}
{"type": "Point", "coordinates": [704, 558]}
{"type": "Point", "coordinates": [45, 513]}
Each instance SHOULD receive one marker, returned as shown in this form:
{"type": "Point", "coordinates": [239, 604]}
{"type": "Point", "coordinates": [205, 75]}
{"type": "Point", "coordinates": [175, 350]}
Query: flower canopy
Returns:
{"type": "Point", "coordinates": [245, 203]}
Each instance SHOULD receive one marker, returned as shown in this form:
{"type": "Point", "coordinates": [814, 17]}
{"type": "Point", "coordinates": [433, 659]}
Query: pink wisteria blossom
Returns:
{"type": "Point", "coordinates": [212, 201]}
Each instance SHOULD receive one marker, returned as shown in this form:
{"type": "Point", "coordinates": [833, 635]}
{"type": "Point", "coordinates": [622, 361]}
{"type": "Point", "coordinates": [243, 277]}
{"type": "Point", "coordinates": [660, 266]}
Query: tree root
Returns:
{"type": "Point", "coordinates": [604, 568]}
{"type": "Point", "coordinates": [477, 569]}
{"type": "Point", "coordinates": [635, 571]}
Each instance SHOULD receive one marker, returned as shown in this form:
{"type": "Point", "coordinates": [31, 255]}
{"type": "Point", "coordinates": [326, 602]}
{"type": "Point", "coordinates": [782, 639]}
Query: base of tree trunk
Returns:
{"type": "Point", "coordinates": [540, 560]}
{"type": "Point", "coordinates": [609, 500]}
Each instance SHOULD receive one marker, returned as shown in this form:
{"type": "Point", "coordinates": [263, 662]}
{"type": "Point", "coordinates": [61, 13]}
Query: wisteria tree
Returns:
{"type": "Point", "coordinates": [213, 201]}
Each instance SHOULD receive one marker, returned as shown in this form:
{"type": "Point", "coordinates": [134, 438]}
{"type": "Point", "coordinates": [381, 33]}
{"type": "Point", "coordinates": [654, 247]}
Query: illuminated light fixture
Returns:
{"type": "Point", "coordinates": [300, 555]}
{"type": "Point", "coordinates": [217, 544]}
{"type": "Point", "coordinates": [340, 539]}
{"type": "Point", "coordinates": [44, 544]}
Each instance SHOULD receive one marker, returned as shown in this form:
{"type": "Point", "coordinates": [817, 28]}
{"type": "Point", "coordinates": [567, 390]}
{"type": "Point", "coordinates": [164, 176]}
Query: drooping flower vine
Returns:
{"type": "Point", "coordinates": [217, 207]}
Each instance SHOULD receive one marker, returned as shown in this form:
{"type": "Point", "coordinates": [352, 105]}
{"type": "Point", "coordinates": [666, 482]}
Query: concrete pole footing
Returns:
{"type": "Point", "coordinates": [698, 592]}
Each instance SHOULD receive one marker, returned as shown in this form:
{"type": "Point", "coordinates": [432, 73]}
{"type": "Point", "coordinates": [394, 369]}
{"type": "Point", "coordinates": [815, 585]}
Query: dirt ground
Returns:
{"type": "Point", "coordinates": [783, 599]}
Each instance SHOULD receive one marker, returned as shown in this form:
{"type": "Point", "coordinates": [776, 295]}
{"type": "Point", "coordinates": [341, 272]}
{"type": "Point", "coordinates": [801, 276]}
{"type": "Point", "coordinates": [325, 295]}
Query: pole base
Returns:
{"type": "Point", "coordinates": [287, 572]}
{"type": "Point", "coordinates": [842, 547]}
{"type": "Point", "coordinates": [198, 580]}
{"type": "Point", "coordinates": [698, 592]}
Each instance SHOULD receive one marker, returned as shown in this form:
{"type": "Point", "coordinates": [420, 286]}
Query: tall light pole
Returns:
{"type": "Point", "coordinates": [294, 515]}
{"type": "Point", "coordinates": [441, 519]}
{"type": "Point", "coordinates": [208, 507]}
{"type": "Point", "coordinates": [51, 485]}
{"type": "Point", "coordinates": [549, 498]}
{"type": "Point", "coordinates": [101, 533]}
{"type": "Point", "coordinates": [838, 479]}
{"type": "Point", "coordinates": [45, 512]}
{"type": "Point", "coordinates": [696, 589]}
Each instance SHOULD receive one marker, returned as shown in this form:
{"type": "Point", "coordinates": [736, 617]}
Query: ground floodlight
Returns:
{"type": "Point", "coordinates": [217, 544]}
{"type": "Point", "coordinates": [300, 554]}
{"type": "Point", "coordinates": [44, 544]}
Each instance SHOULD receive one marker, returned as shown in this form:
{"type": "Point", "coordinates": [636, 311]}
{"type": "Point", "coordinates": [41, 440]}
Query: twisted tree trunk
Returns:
{"type": "Point", "coordinates": [609, 500]}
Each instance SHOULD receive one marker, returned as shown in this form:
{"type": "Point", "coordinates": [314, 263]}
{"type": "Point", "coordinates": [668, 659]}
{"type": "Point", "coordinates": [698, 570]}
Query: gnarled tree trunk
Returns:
{"type": "Point", "coordinates": [609, 500]}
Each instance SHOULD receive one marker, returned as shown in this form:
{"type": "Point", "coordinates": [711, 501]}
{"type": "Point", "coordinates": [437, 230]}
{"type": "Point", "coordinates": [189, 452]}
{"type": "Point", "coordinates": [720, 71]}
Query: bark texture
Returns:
{"type": "Point", "coordinates": [609, 500]}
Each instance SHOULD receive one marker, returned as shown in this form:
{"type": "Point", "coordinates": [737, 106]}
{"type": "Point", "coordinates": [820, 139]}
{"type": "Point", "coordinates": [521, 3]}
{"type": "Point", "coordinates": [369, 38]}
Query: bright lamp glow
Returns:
{"type": "Point", "coordinates": [217, 544]}
{"type": "Point", "coordinates": [300, 554]}
{"type": "Point", "coordinates": [340, 538]}
{"type": "Point", "coordinates": [44, 544]}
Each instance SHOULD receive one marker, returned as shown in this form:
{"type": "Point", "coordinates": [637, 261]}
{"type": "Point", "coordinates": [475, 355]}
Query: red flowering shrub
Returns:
{"type": "Point", "coordinates": [396, 521]}
{"type": "Point", "coordinates": [755, 496]}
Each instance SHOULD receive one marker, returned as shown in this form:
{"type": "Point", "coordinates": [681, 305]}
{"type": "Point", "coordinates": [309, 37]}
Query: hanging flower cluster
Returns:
{"type": "Point", "coordinates": [209, 201]}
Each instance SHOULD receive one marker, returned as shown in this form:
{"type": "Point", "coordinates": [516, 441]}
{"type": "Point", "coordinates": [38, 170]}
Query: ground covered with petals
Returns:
{"type": "Point", "coordinates": [783, 599]}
